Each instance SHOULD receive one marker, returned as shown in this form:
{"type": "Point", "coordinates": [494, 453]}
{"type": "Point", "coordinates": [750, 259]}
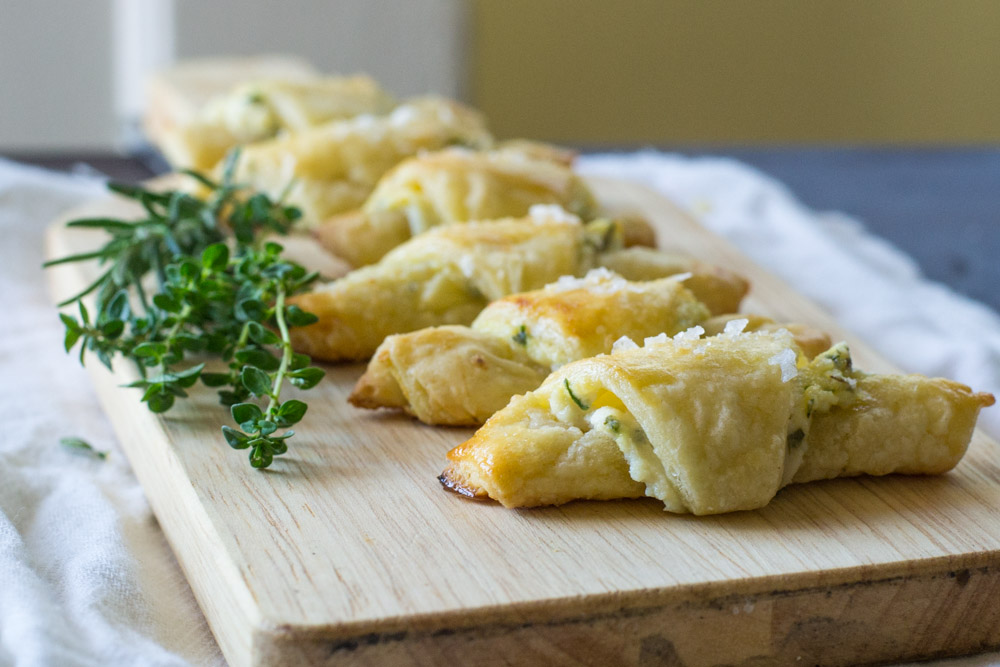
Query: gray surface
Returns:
{"type": "Point", "coordinates": [940, 206]}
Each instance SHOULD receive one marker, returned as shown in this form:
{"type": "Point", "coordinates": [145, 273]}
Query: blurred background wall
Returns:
{"type": "Point", "coordinates": [586, 72]}
{"type": "Point", "coordinates": [71, 73]}
{"type": "Point", "coordinates": [719, 71]}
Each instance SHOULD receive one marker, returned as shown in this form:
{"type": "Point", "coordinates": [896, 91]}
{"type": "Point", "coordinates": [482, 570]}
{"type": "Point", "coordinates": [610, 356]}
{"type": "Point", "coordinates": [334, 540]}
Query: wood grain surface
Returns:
{"type": "Point", "coordinates": [348, 551]}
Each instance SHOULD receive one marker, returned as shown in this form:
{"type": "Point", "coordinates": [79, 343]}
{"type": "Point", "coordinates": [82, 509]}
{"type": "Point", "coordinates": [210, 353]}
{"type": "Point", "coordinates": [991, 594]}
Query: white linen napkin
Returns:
{"type": "Point", "coordinates": [86, 577]}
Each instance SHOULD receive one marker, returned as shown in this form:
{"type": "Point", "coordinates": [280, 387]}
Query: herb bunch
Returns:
{"type": "Point", "coordinates": [208, 300]}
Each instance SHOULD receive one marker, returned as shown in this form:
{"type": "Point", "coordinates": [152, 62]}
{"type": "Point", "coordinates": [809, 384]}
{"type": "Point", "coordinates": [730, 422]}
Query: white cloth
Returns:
{"type": "Point", "coordinates": [86, 577]}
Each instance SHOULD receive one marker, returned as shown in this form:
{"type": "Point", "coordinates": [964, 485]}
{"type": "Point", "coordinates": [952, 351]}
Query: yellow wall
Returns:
{"type": "Point", "coordinates": [722, 71]}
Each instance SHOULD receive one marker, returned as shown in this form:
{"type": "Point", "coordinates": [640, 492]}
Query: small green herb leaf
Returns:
{"type": "Point", "coordinates": [580, 404]}
{"type": "Point", "coordinates": [297, 317]}
{"type": "Point", "coordinates": [82, 445]}
{"type": "Point", "coordinates": [256, 381]}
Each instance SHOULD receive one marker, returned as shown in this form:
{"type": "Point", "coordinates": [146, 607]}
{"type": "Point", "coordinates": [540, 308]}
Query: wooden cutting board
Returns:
{"type": "Point", "coordinates": [348, 551]}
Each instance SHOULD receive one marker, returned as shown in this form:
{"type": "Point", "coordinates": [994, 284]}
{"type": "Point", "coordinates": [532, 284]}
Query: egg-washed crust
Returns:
{"type": "Point", "coordinates": [451, 186]}
{"type": "Point", "coordinates": [711, 426]}
{"type": "Point", "coordinates": [332, 168]}
{"type": "Point", "coordinates": [258, 110]}
{"type": "Point", "coordinates": [718, 288]}
{"type": "Point", "coordinates": [809, 339]}
{"type": "Point", "coordinates": [446, 276]}
{"type": "Point", "coordinates": [462, 375]}
{"type": "Point", "coordinates": [449, 274]}
{"type": "Point", "coordinates": [446, 375]}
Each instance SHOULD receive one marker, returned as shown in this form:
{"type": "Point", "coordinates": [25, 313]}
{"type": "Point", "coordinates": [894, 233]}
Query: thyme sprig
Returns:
{"type": "Point", "coordinates": [208, 301]}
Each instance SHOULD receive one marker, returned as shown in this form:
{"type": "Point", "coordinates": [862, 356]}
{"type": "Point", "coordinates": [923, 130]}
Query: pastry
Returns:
{"type": "Point", "coordinates": [461, 375]}
{"type": "Point", "coordinates": [449, 274]}
{"type": "Point", "coordinates": [458, 185]}
{"type": "Point", "coordinates": [261, 109]}
{"type": "Point", "coordinates": [711, 425]}
{"type": "Point", "coordinates": [332, 168]}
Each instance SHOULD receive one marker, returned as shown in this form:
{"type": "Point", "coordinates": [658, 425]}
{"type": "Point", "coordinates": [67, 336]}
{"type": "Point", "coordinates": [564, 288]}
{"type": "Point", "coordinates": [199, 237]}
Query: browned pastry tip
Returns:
{"type": "Point", "coordinates": [372, 391]}
{"type": "Point", "coordinates": [719, 289]}
{"type": "Point", "coordinates": [453, 481]}
{"type": "Point", "coordinates": [636, 230]}
{"type": "Point", "coordinates": [361, 238]}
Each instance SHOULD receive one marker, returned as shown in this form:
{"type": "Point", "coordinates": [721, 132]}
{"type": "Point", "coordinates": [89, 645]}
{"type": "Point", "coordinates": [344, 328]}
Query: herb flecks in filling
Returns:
{"type": "Point", "coordinates": [521, 337]}
{"type": "Point", "coordinates": [569, 390]}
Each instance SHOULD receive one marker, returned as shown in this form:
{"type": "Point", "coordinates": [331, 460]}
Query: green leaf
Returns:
{"type": "Point", "coordinates": [215, 257]}
{"type": "Point", "coordinates": [72, 336]}
{"type": "Point", "coordinates": [190, 342]}
{"type": "Point", "coordinates": [267, 427]}
{"type": "Point", "coordinates": [201, 178]}
{"type": "Point", "coordinates": [249, 309]}
{"type": "Point", "coordinates": [215, 379]}
{"type": "Point", "coordinates": [306, 378]}
{"type": "Point", "coordinates": [255, 356]}
{"type": "Point", "coordinates": [107, 224]}
{"type": "Point", "coordinates": [256, 381]}
{"type": "Point", "coordinates": [188, 376]}
{"type": "Point", "coordinates": [166, 303]}
{"type": "Point", "coordinates": [230, 398]}
{"type": "Point", "coordinates": [79, 257]}
{"type": "Point", "coordinates": [291, 412]}
{"type": "Point", "coordinates": [260, 456]}
{"type": "Point", "coordinates": [82, 445]}
{"type": "Point", "coordinates": [154, 350]}
{"type": "Point", "coordinates": [261, 335]}
{"type": "Point", "coordinates": [236, 439]}
{"type": "Point", "coordinates": [296, 317]}
{"type": "Point", "coordinates": [160, 402]}
{"type": "Point", "coordinates": [112, 329]}
{"type": "Point", "coordinates": [246, 412]}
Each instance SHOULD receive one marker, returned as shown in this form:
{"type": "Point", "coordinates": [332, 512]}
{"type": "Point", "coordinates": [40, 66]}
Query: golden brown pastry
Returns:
{"type": "Point", "coordinates": [719, 289]}
{"type": "Point", "coordinates": [809, 339]}
{"type": "Point", "coordinates": [332, 168]}
{"type": "Point", "coordinates": [449, 274]}
{"type": "Point", "coordinates": [261, 109]}
{"type": "Point", "coordinates": [710, 425]}
{"type": "Point", "coordinates": [458, 375]}
{"type": "Point", "coordinates": [449, 186]}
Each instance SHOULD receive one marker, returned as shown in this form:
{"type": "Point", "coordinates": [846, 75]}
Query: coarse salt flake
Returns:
{"type": "Point", "coordinates": [624, 343]}
{"type": "Point", "coordinates": [653, 340]}
{"type": "Point", "coordinates": [694, 333]}
{"type": "Point", "coordinates": [786, 360]}
{"type": "Point", "coordinates": [734, 327]}
{"type": "Point", "coordinates": [551, 213]}
{"type": "Point", "coordinates": [467, 265]}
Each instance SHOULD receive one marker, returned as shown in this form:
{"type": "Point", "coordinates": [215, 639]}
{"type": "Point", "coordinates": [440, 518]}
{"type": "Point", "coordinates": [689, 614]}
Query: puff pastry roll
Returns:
{"type": "Point", "coordinates": [711, 425]}
{"type": "Point", "coordinates": [332, 168]}
{"type": "Point", "coordinates": [449, 186]}
{"type": "Point", "coordinates": [259, 110]}
{"type": "Point", "coordinates": [446, 276]}
{"type": "Point", "coordinates": [461, 375]}
{"type": "Point", "coordinates": [719, 289]}
{"type": "Point", "coordinates": [449, 274]}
